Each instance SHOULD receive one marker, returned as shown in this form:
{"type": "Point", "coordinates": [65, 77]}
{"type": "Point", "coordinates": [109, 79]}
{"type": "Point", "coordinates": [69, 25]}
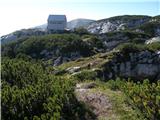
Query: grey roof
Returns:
{"type": "Point", "coordinates": [57, 17]}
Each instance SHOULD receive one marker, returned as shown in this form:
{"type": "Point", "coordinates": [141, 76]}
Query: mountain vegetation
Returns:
{"type": "Point", "coordinates": [83, 75]}
{"type": "Point", "coordinates": [29, 92]}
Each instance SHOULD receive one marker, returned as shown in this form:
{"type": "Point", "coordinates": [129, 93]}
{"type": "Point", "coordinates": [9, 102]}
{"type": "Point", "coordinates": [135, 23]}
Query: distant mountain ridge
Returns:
{"type": "Point", "coordinates": [119, 23]}
{"type": "Point", "coordinates": [137, 23]}
{"type": "Point", "coordinates": [79, 23]}
{"type": "Point", "coordinates": [44, 26]}
{"type": "Point", "coordinates": [41, 30]}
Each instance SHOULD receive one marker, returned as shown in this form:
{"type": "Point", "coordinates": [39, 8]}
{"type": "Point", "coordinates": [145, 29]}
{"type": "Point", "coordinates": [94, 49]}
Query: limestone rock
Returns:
{"type": "Point", "coordinates": [141, 65]}
{"type": "Point", "coordinates": [72, 70]}
{"type": "Point", "coordinates": [58, 61]}
{"type": "Point", "coordinates": [153, 40]}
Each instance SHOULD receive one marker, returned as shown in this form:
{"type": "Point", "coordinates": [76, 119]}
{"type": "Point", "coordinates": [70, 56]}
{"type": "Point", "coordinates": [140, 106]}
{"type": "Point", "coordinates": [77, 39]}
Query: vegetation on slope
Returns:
{"type": "Point", "coordinates": [31, 90]}
{"type": "Point", "coordinates": [144, 97]}
{"type": "Point", "coordinates": [127, 36]}
{"type": "Point", "coordinates": [58, 44]}
{"type": "Point", "coordinates": [131, 47]}
{"type": "Point", "coordinates": [127, 18]}
{"type": "Point", "coordinates": [28, 92]}
{"type": "Point", "coordinates": [150, 28]}
{"type": "Point", "coordinates": [131, 100]}
{"type": "Point", "coordinates": [106, 103]}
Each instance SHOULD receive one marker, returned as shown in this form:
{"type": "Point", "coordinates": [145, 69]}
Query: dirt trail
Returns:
{"type": "Point", "coordinates": [95, 99]}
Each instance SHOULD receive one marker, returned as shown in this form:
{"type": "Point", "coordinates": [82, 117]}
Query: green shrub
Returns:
{"type": "Point", "coordinates": [28, 92]}
{"type": "Point", "coordinates": [131, 47]}
{"type": "Point", "coordinates": [115, 84]}
{"type": "Point", "coordinates": [57, 44]}
{"type": "Point", "coordinates": [145, 97]}
{"type": "Point", "coordinates": [81, 31]}
{"type": "Point", "coordinates": [127, 48]}
{"type": "Point", "coordinates": [95, 42]}
{"type": "Point", "coordinates": [153, 46]}
{"type": "Point", "coordinates": [137, 41]}
{"type": "Point", "coordinates": [149, 27]}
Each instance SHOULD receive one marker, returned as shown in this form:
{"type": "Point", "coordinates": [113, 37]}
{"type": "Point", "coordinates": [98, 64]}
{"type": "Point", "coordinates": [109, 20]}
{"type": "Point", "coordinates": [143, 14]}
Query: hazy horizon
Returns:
{"type": "Point", "coordinates": [21, 14]}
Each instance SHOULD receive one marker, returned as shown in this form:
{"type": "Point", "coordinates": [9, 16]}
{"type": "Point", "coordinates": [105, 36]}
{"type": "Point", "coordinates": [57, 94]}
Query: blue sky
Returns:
{"type": "Point", "coordinates": [18, 14]}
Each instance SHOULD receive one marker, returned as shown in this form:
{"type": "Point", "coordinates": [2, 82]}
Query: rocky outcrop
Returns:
{"type": "Point", "coordinates": [140, 65]}
{"type": "Point", "coordinates": [157, 31]}
{"type": "Point", "coordinates": [57, 58]}
{"type": "Point", "coordinates": [116, 24]}
{"type": "Point", "coordinates": [112, 40]}
{"type": "Point", "coordinates": [72, 70]}
{"type": "Point", "coordinates": [102, 27]}
{"type": "Point", "coordinates": [153, 40]}
{"type": "Point", "coordinates": [58, 61]}
{"type": "Point", "coordinates": [62, 59]}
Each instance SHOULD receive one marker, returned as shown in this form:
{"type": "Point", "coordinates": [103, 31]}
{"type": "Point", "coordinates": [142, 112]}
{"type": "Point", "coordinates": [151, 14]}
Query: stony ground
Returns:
{"type": "Point", "coordinates": [105, 103]}
{"type": "Point", "coordinates": [95, 99]}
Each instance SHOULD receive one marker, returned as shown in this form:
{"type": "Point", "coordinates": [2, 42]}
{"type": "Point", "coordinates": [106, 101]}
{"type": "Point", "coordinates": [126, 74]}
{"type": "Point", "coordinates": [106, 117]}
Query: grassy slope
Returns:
{"type": "Point", "coordinates": [120, 109]}
{"type": "Point", "coordinates": [96, 61]}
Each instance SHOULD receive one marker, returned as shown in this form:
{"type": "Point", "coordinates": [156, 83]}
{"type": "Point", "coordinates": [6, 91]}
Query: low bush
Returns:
{"type": "Point", "coordinates": [144, 97]}
{"type": "Point", "coordinates": [39, 47]}
{"type": "Point", "coordinates": [28, 92]}
{"type": "Point", "coordinates": [131, 47]}
{"type": "Point", "coordinates": [153, 46]}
